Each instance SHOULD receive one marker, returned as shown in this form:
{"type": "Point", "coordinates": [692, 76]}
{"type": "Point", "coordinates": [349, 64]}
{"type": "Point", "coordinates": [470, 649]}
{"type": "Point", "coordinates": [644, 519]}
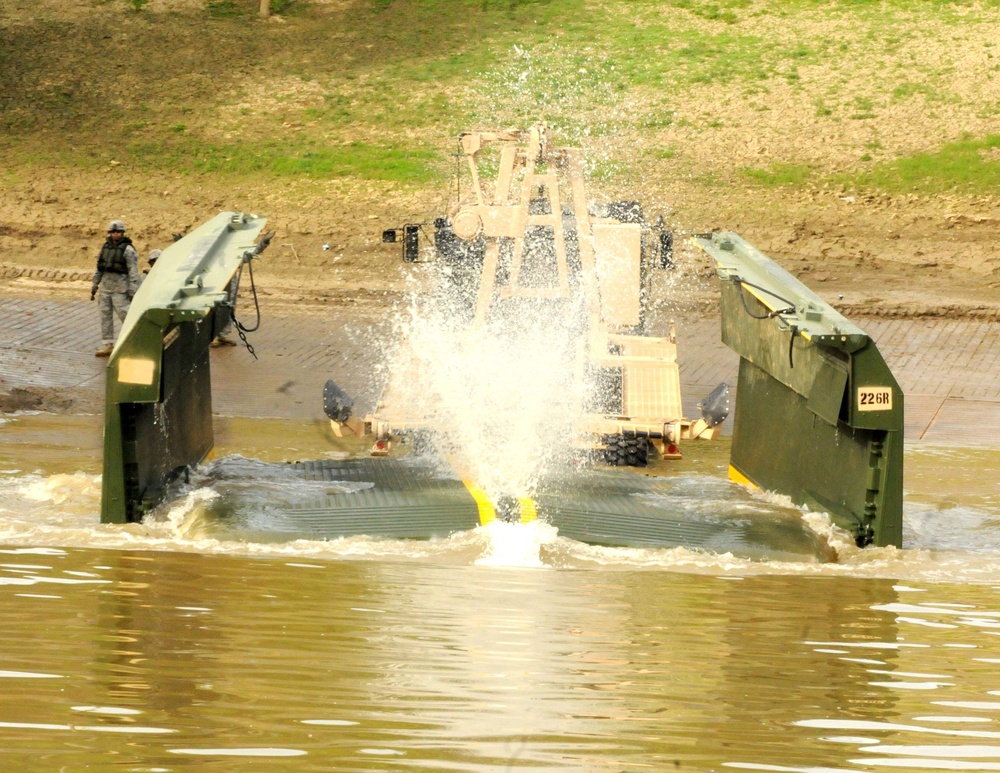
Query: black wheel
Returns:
{"type": "Point", "coordinates": [420, 442]}
{"type": "Point", "coordinates": [620, 451]}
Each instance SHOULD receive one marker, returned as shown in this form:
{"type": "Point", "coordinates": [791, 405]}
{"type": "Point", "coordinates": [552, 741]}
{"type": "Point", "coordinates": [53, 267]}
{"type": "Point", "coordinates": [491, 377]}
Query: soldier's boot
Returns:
{"type": "Point", "coordinates": [104, 351]}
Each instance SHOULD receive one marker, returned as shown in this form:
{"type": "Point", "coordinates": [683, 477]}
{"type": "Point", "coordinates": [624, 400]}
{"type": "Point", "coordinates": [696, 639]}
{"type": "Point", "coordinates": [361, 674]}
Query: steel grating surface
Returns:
{"type": "Point", "coordinates": [405, 500]}
{"type": "Point", "coordinates": [413, 499]}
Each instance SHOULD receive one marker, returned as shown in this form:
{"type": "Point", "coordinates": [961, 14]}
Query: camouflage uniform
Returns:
{"type": "Point", "coordinates": [117, 277]}
{"type": "Point", "coordinates": [154, 256]}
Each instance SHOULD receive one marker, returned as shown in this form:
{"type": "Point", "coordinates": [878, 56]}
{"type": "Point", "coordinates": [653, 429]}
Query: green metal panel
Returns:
{"type": "Point", "coordinates": [819, 416]}
{"type": "Point", "coordinates": [158, 398]}
{"type": "Point", "coordinates": [826, 395]}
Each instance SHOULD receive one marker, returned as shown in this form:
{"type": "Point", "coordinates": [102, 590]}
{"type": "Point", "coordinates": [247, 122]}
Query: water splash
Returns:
{"type": "Point", "coordinates": [500, 399]}
{"type": "Point", "coordinates": [515, 544]}
{"type": "Point", "coordinates": [61, 488]}
{"type": "Point", "coordinates": [580, 97]}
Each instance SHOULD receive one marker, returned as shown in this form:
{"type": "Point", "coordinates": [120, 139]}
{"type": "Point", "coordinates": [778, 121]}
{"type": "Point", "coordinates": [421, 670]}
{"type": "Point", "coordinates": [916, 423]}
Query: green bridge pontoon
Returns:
{"type": "Point", "coordinates": [818, 418]}
{"type": "Point", "coordinates": [158, 398]}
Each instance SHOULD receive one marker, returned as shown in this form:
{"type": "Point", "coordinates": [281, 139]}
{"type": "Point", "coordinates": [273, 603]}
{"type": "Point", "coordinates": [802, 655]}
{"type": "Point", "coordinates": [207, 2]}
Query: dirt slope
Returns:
{"type": "Point", "coordinates": [871, 254]}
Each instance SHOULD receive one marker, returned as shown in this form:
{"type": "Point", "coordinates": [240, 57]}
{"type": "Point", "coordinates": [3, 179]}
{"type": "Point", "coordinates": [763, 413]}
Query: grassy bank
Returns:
{"type": "Point", "coordinates": [890, 95]}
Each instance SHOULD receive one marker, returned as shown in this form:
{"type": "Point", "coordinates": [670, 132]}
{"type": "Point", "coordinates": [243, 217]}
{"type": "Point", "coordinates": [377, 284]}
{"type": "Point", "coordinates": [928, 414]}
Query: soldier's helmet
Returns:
{"type": "Point", "coordinates": [153, 255]}
{"type": "Point", "coordinates": [116, 225]}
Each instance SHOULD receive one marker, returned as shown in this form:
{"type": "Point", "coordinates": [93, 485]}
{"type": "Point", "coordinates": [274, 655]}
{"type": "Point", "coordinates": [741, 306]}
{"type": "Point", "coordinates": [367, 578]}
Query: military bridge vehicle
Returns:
{"type": "Point", "coordinates": [818, 416]}
{"type": "Point", "coordinates": [530, 242]}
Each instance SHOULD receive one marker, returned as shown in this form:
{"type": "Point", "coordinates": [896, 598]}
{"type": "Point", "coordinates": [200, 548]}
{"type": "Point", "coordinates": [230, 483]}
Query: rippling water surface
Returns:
{"type": "Point", "coordinates": [159, 646]}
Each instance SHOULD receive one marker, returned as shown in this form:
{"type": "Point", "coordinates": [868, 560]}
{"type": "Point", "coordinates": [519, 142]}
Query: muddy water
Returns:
{"type": "Point", "coordinates": [155, 648]}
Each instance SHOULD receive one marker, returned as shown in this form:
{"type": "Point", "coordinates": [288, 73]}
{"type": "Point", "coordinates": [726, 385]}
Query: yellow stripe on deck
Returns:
{"type": "Point", "coordinates": [487, 514]}
{"type": "Point", "coordinates": [738, 477]}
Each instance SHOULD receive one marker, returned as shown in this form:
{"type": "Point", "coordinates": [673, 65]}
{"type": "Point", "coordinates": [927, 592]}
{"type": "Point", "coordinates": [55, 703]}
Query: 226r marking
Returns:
{"type": "Point", "coordinates": [874, 398]}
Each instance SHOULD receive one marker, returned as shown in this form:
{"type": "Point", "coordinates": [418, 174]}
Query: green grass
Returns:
{"type": "Point", "coordinates": [908, 89]}
{"type": "Point", "coordinates": [778, 175]}
{"type": "Point", "coordinates": [283, 160]}
{"type": "Point", "coordinates": [662, 154]}
{"type": "Point", "coordinates": [971, 166]}
{"type": "Point", "coordinates": [606, 171]}
{"type": "Point", "coordinates": [386, 84]}
{"type": "Point", "coordinates": [223, 9]}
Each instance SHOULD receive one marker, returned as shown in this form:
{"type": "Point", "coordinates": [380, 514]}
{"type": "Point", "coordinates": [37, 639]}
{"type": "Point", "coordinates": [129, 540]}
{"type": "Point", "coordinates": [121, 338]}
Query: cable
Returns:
{"type": "Point", "coordinates": [241, 329]}
{"type": "Point", "coordinates": [256, 303]}
{"type": "Point", "coordinates": [769, 315]}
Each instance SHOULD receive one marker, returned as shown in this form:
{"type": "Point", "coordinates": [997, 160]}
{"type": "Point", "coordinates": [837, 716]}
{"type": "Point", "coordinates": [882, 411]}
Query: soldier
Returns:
{"type": "Point", "coordinates": [117, 277]}
{"type": "Point", "coordinates": [151, 259]}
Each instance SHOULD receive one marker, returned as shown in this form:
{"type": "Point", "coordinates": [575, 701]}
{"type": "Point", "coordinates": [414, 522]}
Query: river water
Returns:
{"type": "Point", "coordinates": [160, 647]}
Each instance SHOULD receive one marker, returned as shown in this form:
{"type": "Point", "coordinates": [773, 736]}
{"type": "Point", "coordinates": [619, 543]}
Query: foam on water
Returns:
{"type": "Point", "coordinates": [515, 544]}
{"type": "Point", "coordinates": [61, 501]}
{"type": "Point", "coordinates": [50, 513]}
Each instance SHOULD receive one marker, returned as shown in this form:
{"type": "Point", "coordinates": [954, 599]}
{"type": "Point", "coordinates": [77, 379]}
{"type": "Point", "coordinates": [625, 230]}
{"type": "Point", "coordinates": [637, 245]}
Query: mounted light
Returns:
{"type": "Point", "coordinates": [411, 243]}
{"type": "Point", "coordinates": [410, 234]}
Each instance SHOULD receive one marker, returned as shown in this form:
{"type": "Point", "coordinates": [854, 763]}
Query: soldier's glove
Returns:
{"type": "Point", "coordinates": [93, 292]}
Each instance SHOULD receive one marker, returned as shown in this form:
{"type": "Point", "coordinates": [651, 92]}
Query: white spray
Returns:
{"type": "Point", "coordinates": [501, 398]}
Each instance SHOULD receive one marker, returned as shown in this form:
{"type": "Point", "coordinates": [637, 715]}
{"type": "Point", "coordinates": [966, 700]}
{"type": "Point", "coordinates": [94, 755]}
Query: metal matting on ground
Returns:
{"type": "Point", "coordinates": [49, 343]}
{"type": "Point", "coordinates": [964, 422]}
{"type": "Point", "coordinates": [953, 358]}
{"type": "Point", "coordinates": [949, 370]}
